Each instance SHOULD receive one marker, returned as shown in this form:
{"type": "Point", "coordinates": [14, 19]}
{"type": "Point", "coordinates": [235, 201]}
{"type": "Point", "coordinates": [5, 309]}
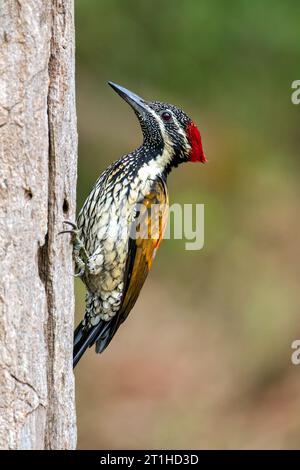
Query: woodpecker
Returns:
{"type": "Point", "coordinates": [111, 262]}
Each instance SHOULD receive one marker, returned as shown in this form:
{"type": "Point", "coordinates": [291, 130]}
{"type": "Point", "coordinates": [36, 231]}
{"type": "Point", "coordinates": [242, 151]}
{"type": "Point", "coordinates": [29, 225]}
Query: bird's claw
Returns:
{"type": "Point", "coordinates": [80, 255]}
{"type": "Point", "coordinates": [81, 272]}
{"type": "Point", "coordinates": [68, 222]}
{"type": "Point", "coordinates": [74, 230]}
{"type": "Point", "coordinates": [65, 231]}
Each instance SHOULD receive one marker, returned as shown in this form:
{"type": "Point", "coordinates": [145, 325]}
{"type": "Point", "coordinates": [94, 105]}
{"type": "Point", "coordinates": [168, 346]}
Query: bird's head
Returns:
{"type": "Point", "coordinates": [167, 130]}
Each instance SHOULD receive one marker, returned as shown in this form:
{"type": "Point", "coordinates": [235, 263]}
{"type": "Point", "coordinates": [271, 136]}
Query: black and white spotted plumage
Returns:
{"type": "Point", "coordinates": [115, 266]}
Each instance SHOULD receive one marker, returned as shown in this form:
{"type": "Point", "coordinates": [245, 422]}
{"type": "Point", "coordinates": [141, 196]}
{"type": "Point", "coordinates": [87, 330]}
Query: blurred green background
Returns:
{"type": "Point", "coordinates": [203, 361]}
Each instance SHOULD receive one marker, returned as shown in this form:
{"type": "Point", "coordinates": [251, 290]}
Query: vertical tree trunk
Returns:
{"type": "Point", "coordinates": [38, 156]}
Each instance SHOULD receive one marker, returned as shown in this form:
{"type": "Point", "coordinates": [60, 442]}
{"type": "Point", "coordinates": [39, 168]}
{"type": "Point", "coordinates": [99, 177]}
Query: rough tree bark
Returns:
{"type": "Point", "coordinates": [38, 158]}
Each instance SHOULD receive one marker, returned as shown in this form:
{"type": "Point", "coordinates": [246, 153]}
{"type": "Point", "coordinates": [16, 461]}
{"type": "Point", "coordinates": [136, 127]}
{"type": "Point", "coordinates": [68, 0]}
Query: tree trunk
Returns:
{"type": "Point", "coordinates": [38, 152]}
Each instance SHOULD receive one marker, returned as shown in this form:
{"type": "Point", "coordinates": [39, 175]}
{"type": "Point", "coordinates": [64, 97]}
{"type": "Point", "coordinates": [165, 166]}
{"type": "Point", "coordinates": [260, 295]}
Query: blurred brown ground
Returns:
{"type": "Point", "coordinates": [203, 361]}
{"type": "Point", "coordinates": [172, 379]}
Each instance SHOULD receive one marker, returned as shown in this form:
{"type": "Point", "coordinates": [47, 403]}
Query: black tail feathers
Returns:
{"type": "Point", "coordinates": [82, 340]}
{"type": "Point", "coordinates": [102, 334]}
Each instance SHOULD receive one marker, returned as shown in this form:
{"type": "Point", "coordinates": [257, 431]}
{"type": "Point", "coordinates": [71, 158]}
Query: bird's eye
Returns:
{"type": "Point", "coordinates": [166, 116]}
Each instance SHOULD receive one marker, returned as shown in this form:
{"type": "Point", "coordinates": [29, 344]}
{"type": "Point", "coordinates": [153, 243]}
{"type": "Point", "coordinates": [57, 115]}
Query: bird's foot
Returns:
{"type": "Point", "coordinates": [79, 252]}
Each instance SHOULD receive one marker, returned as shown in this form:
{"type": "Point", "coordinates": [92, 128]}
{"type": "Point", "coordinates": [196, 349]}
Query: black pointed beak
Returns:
{"type": "Point", "coordinates": [135, 101]}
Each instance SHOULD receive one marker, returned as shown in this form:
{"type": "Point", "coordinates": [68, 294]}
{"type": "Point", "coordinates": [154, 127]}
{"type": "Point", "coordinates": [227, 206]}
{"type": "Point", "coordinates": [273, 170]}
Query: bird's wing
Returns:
{"type": "Point", "coordinates": [149, 228]}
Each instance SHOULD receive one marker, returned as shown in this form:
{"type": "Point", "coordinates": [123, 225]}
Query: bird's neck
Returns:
{"type": "Point", "coordinates": [160, 157]}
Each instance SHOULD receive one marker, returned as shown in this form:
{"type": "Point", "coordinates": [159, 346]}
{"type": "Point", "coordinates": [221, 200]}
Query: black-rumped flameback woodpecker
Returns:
{"type": "Point", "coordinates": [111, 262]}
